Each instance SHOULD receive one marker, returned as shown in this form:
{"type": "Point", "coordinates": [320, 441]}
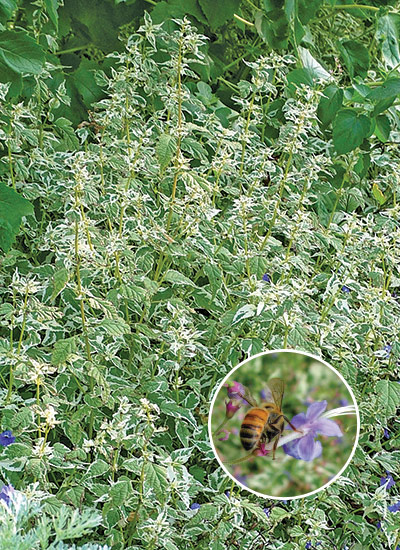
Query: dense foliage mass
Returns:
{"type": "Point", "coordinates": [232, 189]}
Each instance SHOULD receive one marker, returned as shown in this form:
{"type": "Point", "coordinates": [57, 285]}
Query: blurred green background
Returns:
{"type": "Point", "coordinates": [306, 381]}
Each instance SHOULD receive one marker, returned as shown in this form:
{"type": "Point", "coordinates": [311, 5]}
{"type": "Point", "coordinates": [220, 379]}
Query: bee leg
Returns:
{"type": "Point", "coordinates": [291, 425]}
{"type": "Point", "coordinates": [274, 448]}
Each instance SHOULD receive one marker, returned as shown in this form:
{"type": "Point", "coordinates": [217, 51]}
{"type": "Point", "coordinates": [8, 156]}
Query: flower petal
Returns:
{"type": "Point", "coordinates": [315, 410]}
{"type": "Point", "coordinates": [291, 449]}
{"type": "Point", "coordinates": [297, 421]}
{"type": "Point", "coordinates": [307, 448]}
{"type": "Point", "coordinates": [324, 426]}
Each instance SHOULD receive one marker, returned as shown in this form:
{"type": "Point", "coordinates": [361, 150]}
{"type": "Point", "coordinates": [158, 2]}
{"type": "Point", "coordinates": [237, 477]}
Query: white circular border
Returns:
{"type": "Point", "coordinates": [337, 374]}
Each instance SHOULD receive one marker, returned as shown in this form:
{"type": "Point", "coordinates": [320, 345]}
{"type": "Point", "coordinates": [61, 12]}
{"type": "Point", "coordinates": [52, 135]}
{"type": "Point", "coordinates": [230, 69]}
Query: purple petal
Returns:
{"type": "Point", "coordinates": [298, 420]}
{"type": "Point", "coordinates": [325, 426]}
{"type": "Point", "coordinates": [291, 449]}
{"type": "Point", "coordinates": [315, 410]}
{"type": "Point", "coordinates": [6, 438]}
{"type": "Point", "coordinates": [308, 448]}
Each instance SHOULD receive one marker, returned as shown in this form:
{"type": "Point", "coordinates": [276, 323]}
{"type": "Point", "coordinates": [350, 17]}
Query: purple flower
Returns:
{"type": "Point", "coordinates": [388, 349]}
{"type": "Point", "coordinates": [266, 278]}
{"type": "Point", "coordinates": [343, 402]}
{"type": "Point", "coordinates": [235, 390]}
{"type": "Point", "coordinates": [394, 507]}
{"type": "Point", "coordinates": [195, 506]}
{"type": "Point", "coordinates": [388, 481]}
{"type": "Point", "coordinates": [227, 494]}
{"type": "Point", "coordinates": [226, 436]}
{"type": "Point", "coordinates": [266, 512]}
{"type": "Point", "coordinates": [231, 408]}
{"type": "Point", "coordinates": [5, 493]}
{"type": "Point", "coordinates": [306, 448]}
{"type": "Point", "coordinates": [386, 433]}
{"type": "Point", "coordinates": [6, 438]}
{"type": "Point", "coordinates": [308, 545]}
{"type": "Point", "coordinates": [345, 289]}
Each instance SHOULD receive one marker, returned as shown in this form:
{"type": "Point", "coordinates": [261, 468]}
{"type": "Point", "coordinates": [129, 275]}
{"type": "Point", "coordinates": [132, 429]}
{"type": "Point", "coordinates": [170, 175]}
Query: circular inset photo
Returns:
{"type": "Point", "coordinates": [284, 424]}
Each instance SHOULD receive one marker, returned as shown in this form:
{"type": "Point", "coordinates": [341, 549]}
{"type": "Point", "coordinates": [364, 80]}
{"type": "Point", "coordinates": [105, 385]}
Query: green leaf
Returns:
{"type": "Point", "coordinates": [329, 104]}
{"type": "Point", "coordinates": [278, 514]}
{"type": "Point", "coordinates": [12, 209]}
{"type": "Point", "coordinates": [388, 90]}
{"type": "Point", "coordinates": [387, 33]}
{"type": "Point", "coordinates": [355, 56]}
{"type": "Point", "coordinates": [120, 492]}
{"type": "Point", "coordinates": [390, 461]}
{"type": "Point", "coordinates": [218, 13]}
{"type": "Point", "coordinates": [315, 69]}
{"type": "Point", "coordinates": [114, 327]}
{"type": "Point", "coordinates": [214, 276]}
{"type": "Point", "coordinates": [65, 130]}
{"type": "Point", "coordinates": [244, 312]}
{"type": "Point", "coordinates": [7, 7]}
{"type": "Point", "coordinates": [155, 477]}
{"type": "Point", "coordinates": [165, 150]}
{"type": "Point", "coordinates": [21, 53]}
{"type": "Point", "coordinates": [273, 28]}
{"type": "Point", "coordinates": [63, 349]}
{"type": "Point", "coordinates": [349, 130]}
{"type": "Point", "coordinates": [256, 510]}
{"type": "Point", "coordinates": [96, 469]}
{"type": "Point", "coordinates": [388, 397]}
{"type": "Point", "coordinates": [382, 128]}
{"type": "Point", "coordinates": [51, 8]}
{"type": "Point", "coordinates": [59, 281]}
{"type": "Point", "coordinates": [177, 278]}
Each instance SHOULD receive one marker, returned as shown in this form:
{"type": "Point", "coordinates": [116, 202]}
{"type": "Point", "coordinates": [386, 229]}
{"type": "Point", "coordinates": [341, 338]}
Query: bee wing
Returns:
{"type": "Point", "coordinates": [277, 387]}
{"type": "Point", "coordinates": [246, 395]}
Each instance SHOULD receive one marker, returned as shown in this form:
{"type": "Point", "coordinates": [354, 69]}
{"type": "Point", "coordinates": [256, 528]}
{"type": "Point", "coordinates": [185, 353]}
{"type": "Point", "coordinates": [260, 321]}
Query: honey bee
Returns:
{"type": "Point", "coordinates": [264, 423]}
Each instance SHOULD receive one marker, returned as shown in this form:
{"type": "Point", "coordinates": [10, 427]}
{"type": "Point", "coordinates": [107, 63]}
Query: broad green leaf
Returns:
{"type": "Point", "coordinates": [177, 278]}
{"type": "Point", "coordinates": [218, 13]}
{"type": "Point", "coordinates": [329, 104]}
{"type": "Point", "coordinates": [388, 397]}
{"type": "Point", "coordinates": [7, 7]}
{"type": "Point", "coordinates": [382, 128]}
{"type": "Point", "coordinates": [63, 349]}
{"type": "Point", "coordinates": [378, 195]}
{"type": "Point", "coordinates": [273, 27]}
{"type": "Point", "coordinates": [301, 76]}
{"type": "Point", "coordinates": [387, 33]}
{"type": "Point", "coordinates": [13, 207]}
{"type": "Point", "coordinates": [155, 477]}
{"type": "Point", "coordinates": [315, 69]}
{"type": "Point", "coordinates": [386, 91]}
{"type": "Point", "coordinates": [349, 130]}
{"type": "Point", "coordinates": [21, 53]}
{"type": "Point", "coordinates": [355, 56]}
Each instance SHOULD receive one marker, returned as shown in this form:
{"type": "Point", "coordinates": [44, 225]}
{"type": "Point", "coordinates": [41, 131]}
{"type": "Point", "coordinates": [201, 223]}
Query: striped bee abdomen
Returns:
{"type": "Point", "coordinates": [252, 427]}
